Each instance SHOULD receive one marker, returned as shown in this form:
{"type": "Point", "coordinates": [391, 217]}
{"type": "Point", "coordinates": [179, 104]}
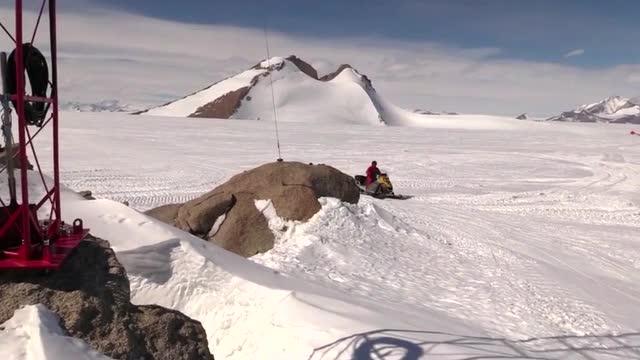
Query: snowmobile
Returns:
{"type": "Point", "coordinates": [384, 191]}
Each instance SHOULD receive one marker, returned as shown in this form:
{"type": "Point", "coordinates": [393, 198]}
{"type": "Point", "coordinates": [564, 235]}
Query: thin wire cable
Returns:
{"type": "Point", "coordinates": [7, 32]}
{"type": "Point", "coordinates": [273, 97]}
{"type": "Point", "coordinates": [35, 29]}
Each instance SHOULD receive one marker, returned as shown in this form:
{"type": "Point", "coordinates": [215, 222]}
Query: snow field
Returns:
{"type": "Point", "coordinates": [519, 242]}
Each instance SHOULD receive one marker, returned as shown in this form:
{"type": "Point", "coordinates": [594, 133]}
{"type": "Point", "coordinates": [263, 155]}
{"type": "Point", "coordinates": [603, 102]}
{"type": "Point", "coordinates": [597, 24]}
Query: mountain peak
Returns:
{"type": "Point", "coordinates": [276, 63]}
{"type": "Point", "coordinates": [300, 93]}
{"type": "Point", "coordinates": [614, 109]}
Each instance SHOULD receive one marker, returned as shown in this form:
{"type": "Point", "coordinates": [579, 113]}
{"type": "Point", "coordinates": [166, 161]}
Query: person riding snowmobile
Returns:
{"type": "Point", "coordinates": [371, 183]}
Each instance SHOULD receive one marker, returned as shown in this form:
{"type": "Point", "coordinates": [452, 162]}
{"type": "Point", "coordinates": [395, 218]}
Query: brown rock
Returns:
{"type": "Point", "coordinates": [245, 230]}
{"type": "Point", "coordinates": [199, 215]}
{"type": "Point", "coordinates": [296, 202]}
{"type": "Point", "coordinates": [224, 106]}
{"type": "Point", "coordinates": [91, 296]}
{"type": "Point", "coordinates": [293, 187]}
{"type": "Point", "coordinates": [304, 66]}
{"type": "Point", "coordinates": [165, 213]}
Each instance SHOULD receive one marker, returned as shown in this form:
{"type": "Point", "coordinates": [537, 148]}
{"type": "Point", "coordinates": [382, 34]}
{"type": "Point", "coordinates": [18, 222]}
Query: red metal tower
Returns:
{"type": "Point", "coordinates": [27, 241]}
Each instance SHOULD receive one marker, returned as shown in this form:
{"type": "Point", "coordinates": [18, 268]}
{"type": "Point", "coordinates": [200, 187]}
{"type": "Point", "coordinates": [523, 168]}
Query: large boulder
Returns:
{"type": "Point", "coordinates": [228, 216]}
{"type": "Point", "coordinates": [91, 296]}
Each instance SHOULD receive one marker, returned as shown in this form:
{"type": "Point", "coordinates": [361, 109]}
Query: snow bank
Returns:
{"type": "Point", "coordinates": [34, 333]}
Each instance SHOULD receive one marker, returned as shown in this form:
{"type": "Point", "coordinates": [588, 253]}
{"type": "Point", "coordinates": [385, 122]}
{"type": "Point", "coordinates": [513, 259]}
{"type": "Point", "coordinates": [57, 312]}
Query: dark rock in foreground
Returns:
{"type": "Point", "coordinates": [91, 296]}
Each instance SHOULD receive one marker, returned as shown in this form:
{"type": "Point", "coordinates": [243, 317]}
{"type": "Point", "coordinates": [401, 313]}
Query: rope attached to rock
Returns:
{"type": "Point", "coordinates": [273, 97]}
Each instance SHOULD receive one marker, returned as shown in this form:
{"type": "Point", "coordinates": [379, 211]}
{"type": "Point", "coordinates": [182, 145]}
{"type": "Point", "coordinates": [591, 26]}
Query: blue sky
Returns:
{"type": "Point", "coordinates": [475, 56]}
{"type": "Point", "coordinates": [605, 32]}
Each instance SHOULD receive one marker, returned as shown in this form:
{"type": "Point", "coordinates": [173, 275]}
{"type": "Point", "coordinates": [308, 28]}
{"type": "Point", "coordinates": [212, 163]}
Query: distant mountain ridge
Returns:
{"type": "Point", "coordinates": [615, 109]}
{"type": "Point", "coordinates": [100, 106]}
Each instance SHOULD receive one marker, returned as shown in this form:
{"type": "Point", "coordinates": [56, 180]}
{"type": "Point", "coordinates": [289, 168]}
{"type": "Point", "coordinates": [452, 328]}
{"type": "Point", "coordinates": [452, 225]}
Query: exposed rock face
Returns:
{"type": "Point", "coordinates": [87, 194]}
{"type": "Point", "coordinates": [91, 296]}
{"type": "Point", "coordinates": [165, 213]}
{"type": "Point", "coordinates": [293, 188]}
{"type": "Point", "coordinates": [333, 75]}
{"type": "Point", "coordinates": [522, 117]}
{"type": "Point", "coordinates": [304, 66]}
{"type": "Point", "coordinates": [224, 106]}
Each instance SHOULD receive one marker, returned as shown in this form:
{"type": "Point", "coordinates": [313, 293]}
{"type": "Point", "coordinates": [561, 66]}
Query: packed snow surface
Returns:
{"type": "Point", "coordinates": [519, 242]}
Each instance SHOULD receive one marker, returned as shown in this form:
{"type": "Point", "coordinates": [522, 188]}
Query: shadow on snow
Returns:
{"type": "Point", "coordinates": [412, 345]}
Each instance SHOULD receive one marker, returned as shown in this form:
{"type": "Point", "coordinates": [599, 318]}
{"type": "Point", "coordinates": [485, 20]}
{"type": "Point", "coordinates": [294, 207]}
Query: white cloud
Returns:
{"type": "Point", "coordinates": [634, 78]}
{"type": "Point", "coordinates": [576, 52]}
{"type": "Point", "coordinates": [144, 61]}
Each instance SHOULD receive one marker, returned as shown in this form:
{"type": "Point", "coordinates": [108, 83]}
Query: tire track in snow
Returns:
{"type": "Point", "coordinates": [144, 190]}
{"type": "Point", "coordinates": [510, 275]}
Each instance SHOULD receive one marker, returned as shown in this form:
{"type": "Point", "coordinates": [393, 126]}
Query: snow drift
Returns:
{"type": "Point", "coordinates": [300, 95]}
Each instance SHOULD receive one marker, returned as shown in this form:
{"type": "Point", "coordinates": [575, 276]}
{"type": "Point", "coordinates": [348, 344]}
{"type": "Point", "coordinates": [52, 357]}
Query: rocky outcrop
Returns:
{"type": "Point", "coordinates": [228, 216]}
{"type": "Point", "coordinates": [304, 66]}
{"type": "Point", "coordinates": [91, 296]}
{"type": "Point", "coordinates": [522, 117]}
{"type": "Point", "coordinates": [86, 194]}
{"type": "Point", "coordinates": [333, 75]}
{"type": "Point", "coordinates": [224, 106]}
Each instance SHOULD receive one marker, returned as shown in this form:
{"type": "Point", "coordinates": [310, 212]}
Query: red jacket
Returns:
{"type": "Point", "coordinates": [372, 174]}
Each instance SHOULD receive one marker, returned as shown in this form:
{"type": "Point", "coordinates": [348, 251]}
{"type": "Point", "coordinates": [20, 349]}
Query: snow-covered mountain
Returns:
{"type": "Point", "coordinates": [344, 96]}
{"type": "Point", "coordinates": [299, 94]}
{"type": "Point", "coordinates": [614, 109]}
{"type": "Point", "coordinates": [429, 112]}
{"type": "Point", "coordinates": [101, 106]}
